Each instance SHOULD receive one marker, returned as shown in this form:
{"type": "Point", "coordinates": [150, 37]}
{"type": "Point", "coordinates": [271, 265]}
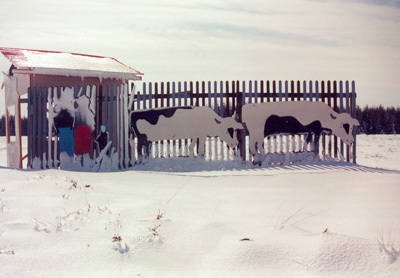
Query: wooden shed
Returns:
{"type": "Point", "coordinates": [92, 91]}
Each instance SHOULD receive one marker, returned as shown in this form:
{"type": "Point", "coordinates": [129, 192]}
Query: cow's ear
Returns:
{"type": "Point", "coordinates": [333, 116]}
{"type": "Point", "coordinates": [218, 122]}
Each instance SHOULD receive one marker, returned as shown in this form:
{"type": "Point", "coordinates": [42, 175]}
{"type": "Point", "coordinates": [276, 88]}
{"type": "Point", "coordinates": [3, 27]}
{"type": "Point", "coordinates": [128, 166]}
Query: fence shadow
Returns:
{"type": "Point", "coordinates": [335, 166]}
{"type": "Point", "coordinates": [186, 166]}
{"type": "Point", "coordinates": [200, 167]}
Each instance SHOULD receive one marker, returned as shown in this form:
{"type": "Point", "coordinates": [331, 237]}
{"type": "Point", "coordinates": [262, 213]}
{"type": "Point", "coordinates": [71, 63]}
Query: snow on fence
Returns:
{"type": "Point", "coordinates": [91, 105]}
{"type": "Point", "coordinates": [111, 105]}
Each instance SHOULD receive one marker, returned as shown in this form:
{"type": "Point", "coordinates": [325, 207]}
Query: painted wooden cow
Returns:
{"type": "Point", "coordinates": [173, 123]}
{"type": "Point", "coordinates": [303, 117]}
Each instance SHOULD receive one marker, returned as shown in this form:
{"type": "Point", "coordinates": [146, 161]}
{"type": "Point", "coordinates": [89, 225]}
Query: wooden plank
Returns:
{"type": "Point", "coordinates": [323, 136]}
{"type": "Point", "coordinates": [298, 138]}
{"type": "Point", "coordinates": [180, 99]}
{"type": "Point", "coordinates": [279, 140]}
{"type": "Point", "coordinates": [151, 96]}
{"type": "Point", "coordinates": [171, 93]}
{"type": "Point", "coordinates": [126, 116]}
{"type": "Point", "coordinates": [56, 151]}
{"type": "Point", "coordinates": [210, 140]}
{"type": "Point", "coordinates": [287, 137]}
{"type": "Point", "coordinates": [100, 105]}
{"type": "Point", "coordinates": [197, 95]}
{"type": "Point", "coordinates": [210, 95]}
{"type": "Point", "coordinates": [203, 93]}
{"type": "Point", "coordinates": [156, 95]}
{"type": "Point", "coordinates": [36, 124]}
{"type": "Point", "coordinates": [41, 128]}
{"type": "Point", "coordinates": [106, 106]}
{"type": "Point", "coordinates": [187, 101]}
{"type": "Point", "coordinates": [191, 95]}
{"type": "Point", "coordinates": [227, 112]}
{"type": "Point", "coordinates": [306, 146]}
{"type": "Point", "coordinates": [269, 99]}
{"type": "Point", "coordinates": [141, 99]}
{"type": "Point", "coordinates": [221, 98]}
{"type": "Point", "coordinates": [216, 109]}
{"type": "Point", "coordinates": [163, 95]}
{"type": "Point", "coordinates": [30, 127]}
{"type": "Point", "coordinates": [251, 97]}
{"type": "Point", "coordinates": [111, 126]}
{"type": "Point", "coordinates": [255, 92]}
{"type": "Point", "coordinates": [146, 98]}
{"type": "Point", "coordinates": [240, 133]}
{"type": "Point", "coordinates": [315, 144]}
{"type": "Point", "coordinates": [329, 93]}
{"type": "Point", "coordinates": [45, 156]}
{"type": "Point", "coordinates": [262, 94]}
{"type": "Point", "coordinates": [244, 133]}
{"type": "Point", "coordinates": [347, 111]}
{"type": "Point", "coordinates": [181, 96]}
{"type": "Point", "coordinates": [233, 98]}
{"type": "Point", "coordinates": [292, 90]}
{"type": "Point", "coordinates": [335, 139]}
{"type": "Point", "coordinates": [329, 97]}
{"type": "Point", "coordinates": [49, 129]}
{"type": "Point", "coordinates": [341, 109]}
{"type": "Point", "coordinates": [45, 142]}
{"type": "Point", "coordinates": [118, 127]}
{"type": "Point", "coordinates": [353, 106]}
{"type": "Point", "coordinates": [161, 142]}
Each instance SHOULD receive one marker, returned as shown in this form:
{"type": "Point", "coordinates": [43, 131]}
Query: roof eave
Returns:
{"type": "Point", "coordinates": [80, 73]}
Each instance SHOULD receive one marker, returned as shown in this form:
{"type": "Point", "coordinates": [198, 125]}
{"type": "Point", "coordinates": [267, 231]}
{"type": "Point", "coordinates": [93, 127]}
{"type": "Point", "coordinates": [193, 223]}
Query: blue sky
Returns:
{"type": "Point", "coordinates": [223, 39]}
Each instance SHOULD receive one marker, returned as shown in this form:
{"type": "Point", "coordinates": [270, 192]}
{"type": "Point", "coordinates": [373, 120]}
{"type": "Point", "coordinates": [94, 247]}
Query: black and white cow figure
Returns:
{"type": "Point", "coordinates": [301, 117]}
{"type": "Point", "coordinates": [174, 123]}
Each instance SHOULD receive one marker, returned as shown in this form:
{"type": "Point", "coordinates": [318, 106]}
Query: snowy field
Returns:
{"type": "Point", "coordinates": [330, 219]}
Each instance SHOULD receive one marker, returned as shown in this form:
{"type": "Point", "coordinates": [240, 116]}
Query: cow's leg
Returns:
{"type": "Point", "coordinates": [258, 153]}
{"type": "Point", "coordinates": [316, 143]}
{"type": "Point", "coordinates": [139, 149]}
{"type": "Point", "coordinates": [255, 140]}
{"type": "Point", "coordinates": [191, 146]}
{"type": "Point", "coordinates": [201, 146]}
{"type": "Point", "coordinates": [147, 148]}
{"type": "Point", "coordinates": [307, 141]}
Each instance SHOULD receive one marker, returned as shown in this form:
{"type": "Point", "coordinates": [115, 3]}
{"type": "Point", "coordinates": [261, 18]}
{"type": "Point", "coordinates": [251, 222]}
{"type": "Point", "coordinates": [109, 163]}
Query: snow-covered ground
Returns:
{"type": "Point", "coordinates": [314, 220]}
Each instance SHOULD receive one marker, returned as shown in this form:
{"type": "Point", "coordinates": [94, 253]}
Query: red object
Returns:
{"type": "Point", "coordinates": [83, 139]}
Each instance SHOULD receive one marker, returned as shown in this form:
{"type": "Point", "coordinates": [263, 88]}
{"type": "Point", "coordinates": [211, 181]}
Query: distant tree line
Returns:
{"type": "Point", "coordinates": [378, 120]}
{"type": "Point", "coordinates": [373, 120]}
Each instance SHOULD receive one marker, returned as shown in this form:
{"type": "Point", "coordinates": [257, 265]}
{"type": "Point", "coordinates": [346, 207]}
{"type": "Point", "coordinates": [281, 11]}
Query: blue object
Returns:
{"type": "Point", "coordinates": [103, 128]}
{"type": "Point", "coordinates": [66, 138]}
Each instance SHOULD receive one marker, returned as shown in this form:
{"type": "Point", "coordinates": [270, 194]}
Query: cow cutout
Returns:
{"type": "Point", "coordinates": [272, 118]}
{"type": "Point", "coordinates": [175, 123]}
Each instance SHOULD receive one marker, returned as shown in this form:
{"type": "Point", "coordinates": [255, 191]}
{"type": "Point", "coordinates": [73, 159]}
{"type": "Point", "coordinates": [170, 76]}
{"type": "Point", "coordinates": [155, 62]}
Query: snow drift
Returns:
{"type": "Point", "coordinates": [169, 218]}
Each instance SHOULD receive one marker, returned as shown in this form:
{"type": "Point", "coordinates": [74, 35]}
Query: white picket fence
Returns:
{"type": "Point", "coordinates": [115, 102]}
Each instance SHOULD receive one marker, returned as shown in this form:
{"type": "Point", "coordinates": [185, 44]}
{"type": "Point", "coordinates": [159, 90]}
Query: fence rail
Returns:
{"type": "Point", "coordinates": [113, 104]}
{"type": "Point", "coordinates": [227, 99]}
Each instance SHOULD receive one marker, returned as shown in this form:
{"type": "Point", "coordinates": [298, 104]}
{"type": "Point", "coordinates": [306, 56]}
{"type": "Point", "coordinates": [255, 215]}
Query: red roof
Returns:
{"type": "Point", "coordinates": [68, 64]}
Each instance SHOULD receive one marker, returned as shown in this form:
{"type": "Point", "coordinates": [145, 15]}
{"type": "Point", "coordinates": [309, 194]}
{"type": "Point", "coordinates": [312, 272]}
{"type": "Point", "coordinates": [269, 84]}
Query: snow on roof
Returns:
{"type": "Point", "coordinates": [68, 64]}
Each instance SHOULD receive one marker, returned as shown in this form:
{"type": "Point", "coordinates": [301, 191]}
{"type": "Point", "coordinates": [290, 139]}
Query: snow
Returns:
{"type": "Point", "coordinates": [45, 60]}
{"type": "Point", "coordinates": [189, 218]}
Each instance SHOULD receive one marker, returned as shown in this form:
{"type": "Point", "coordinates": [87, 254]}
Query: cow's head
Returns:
{"type": "Point", "coordinates": [343, 125]}
{"type": "Point", "coordinates": [228, 128]}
